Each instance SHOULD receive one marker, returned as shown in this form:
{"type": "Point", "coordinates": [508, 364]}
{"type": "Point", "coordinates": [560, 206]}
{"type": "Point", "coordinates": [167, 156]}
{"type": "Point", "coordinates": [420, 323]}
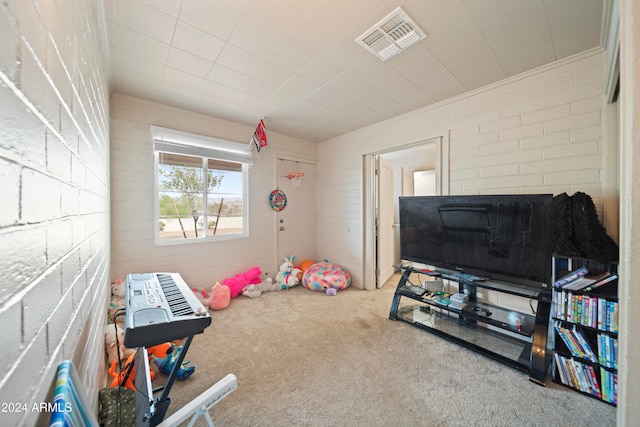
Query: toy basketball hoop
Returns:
{"type": "Point", "coordinates": [296, 178]}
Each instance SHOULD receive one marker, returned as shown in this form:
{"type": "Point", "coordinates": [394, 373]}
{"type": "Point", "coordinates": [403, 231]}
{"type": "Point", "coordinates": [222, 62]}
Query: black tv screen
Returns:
{"type": "Point", "coordinates": [502, 237]}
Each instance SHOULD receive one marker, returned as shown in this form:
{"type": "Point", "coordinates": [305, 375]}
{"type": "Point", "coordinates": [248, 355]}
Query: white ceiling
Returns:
{"type": "Point", "coordinates": [296, 62]}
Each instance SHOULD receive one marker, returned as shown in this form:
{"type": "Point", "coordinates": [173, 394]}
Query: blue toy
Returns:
{"type": "Point", "coordinates": [166, 365]}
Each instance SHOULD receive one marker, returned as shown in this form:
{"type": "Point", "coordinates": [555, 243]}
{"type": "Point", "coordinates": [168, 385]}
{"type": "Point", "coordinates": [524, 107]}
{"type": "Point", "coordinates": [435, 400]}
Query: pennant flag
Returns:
{"type": "Point", "coordinates": [260, 136]}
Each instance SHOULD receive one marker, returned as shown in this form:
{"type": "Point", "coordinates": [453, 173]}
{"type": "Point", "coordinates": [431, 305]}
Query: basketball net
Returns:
{"type": "Point", "coordinates": [296, 178]}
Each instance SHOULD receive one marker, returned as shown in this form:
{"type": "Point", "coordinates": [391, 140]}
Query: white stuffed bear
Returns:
{"type": "Point", "coordinates": [287, 275]}
{"type": "Point", "coordinates": [267, 285]}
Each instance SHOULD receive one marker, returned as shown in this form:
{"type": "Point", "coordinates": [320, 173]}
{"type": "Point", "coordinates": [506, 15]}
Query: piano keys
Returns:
{"type": "Point", "coordinates": [161, 307]}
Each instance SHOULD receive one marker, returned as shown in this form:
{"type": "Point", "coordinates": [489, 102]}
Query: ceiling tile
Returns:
{"type": "Point", "coordinates": [319, 71]}
{"type": "Point", "coordinates": [139, 65]}
{"type": "Point", "coordinates": [254, 37]}
{"type": "Point", "coordinates": [218, 90]}
{"type": "Point", "coordinates": [226, 76]}
{"type": "Point", "coordinates": [196, 41]}
{"type": "Point", "coordinates": [323, 96]}
{"type": "Point", "coordinates": [486, 10]}
{"type": "Point", "coordinates": [446, 25]}
{"type": "Point", "coordinates": [175, 77]}
{"type": "Point", "coordinates": [300, 86]}
{"type": "Point", "coordinates": [477, 70]}
{"type": "Point", "coordinates": [272, 73]}
{"type": "Point", "coordinates": [283, 98]}
{"type": "Point", "coordinates": [341, 15]}
{"type": "Point", "coordinates": [370, 97]}
{"type": "Point", "coordinates": [314, 35]}
{"type": "Point", "coordinates": [290, 56]}
{"type": "Point", "coordinates": [257, 88]}
{"type": "Point", "coordinates": [239, 5]}
{"type": "Point", "coordinates": [282, 15]}
{"type": "Point", "coordinates": [210, 16]}
{"type": "Point", "coordinates": [170, 7]}
{"type": "Point", "coordinates": [344, 83]}
{"type": "Point", "coordinates": [145, 20]}
{"type": "Point", "coordinates": [525, 51]}
{"type": "Point", "coordinates": [189, 62]}
{"type": "Point", "coordinates": [416, 62]}
{"type": "Point", "coordinates": [527, 16]}
{"type": "Point", "coordinates": [144, 46]}
{"type": "Point", "coordinates": [571, 31]}
{"type": "Point", "coordinates": [461, 48]}
{"type": "Point", "coordinates": [239, 59]}
{"type": "Point", "coordinates": [440, 85]}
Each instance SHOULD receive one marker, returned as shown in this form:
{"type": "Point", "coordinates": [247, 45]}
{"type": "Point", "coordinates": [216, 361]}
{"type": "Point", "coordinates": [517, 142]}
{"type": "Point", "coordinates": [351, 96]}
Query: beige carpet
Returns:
{"type": "Point", "coordinates": [303, 358]}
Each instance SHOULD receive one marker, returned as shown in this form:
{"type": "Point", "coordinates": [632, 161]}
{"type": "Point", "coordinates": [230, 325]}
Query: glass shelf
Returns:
{"type": "Point", "coordinates": [479, 335]}
{"type": "Point", "coordinates": [512, 337]}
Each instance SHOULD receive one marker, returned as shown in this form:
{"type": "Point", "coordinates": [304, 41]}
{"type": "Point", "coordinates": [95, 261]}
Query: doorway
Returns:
{"type": "Point", "coordinates": [388, 175]}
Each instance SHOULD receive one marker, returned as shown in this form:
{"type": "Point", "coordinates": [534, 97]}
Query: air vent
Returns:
{"type": "Point", "coordinates": [393, 34]}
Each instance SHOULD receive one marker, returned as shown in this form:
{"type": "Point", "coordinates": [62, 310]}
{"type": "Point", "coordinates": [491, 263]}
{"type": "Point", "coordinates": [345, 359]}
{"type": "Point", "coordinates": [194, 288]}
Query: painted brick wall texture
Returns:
{"type": "Point", "coordinates": [536, 133]}
{"type": "Point", "coordinates": [54, 221]}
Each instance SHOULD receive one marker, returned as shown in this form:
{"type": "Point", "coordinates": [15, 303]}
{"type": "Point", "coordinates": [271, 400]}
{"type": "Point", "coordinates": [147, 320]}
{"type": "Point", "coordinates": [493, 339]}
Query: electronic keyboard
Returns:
{"type": "Point", "coordinates": [161, 307]}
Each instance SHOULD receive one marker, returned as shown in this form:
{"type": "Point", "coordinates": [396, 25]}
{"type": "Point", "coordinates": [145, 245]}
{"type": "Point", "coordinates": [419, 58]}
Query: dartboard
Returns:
{"type": "Point", "coordinates": [278, 200]}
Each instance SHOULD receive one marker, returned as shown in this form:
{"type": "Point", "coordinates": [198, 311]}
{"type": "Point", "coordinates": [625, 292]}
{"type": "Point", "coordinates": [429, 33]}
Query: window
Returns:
{"type": "Point", "coordinates": [201, 187]}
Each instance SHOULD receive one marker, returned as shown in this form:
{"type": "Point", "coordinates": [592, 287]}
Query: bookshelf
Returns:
{"type": "Point", "coordinates": [585, 327]}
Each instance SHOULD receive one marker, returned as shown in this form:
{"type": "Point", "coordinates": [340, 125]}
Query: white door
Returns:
{"type": "Point", "coordinates": [296, 223]}
{"type": "Point", "coordinates": [385, 226]}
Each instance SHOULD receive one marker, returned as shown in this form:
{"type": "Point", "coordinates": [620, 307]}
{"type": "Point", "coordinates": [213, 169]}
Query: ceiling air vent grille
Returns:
{"type": "Point", "coordinates": [393, 34]}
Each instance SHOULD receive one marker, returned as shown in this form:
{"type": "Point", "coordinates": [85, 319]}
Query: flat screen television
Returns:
{"type": "Point", "coordinates": [500, 237]}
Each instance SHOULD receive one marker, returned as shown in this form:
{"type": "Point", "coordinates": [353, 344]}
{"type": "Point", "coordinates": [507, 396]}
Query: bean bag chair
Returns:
{"type": "Point", "coordinates": [325, 275]}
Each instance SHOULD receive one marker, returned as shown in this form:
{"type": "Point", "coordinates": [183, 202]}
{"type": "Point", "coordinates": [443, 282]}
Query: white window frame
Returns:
{"type": "Point", "coordinates": [205, 147]}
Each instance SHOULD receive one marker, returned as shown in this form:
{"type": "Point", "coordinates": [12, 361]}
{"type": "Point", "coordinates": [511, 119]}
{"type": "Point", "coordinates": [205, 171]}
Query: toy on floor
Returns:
{"type": "Point", "coordinates": [267, 285]}
{"type": "Point", "coordinates": [114, 346]}
{"type": "Point", "coordinates": [218, 298]}
{"type": "Point", "coordinates": [117, 299]}
{"type": "Point", "coordinates": [287, 274]}
{"type": "Point", "coordinates": [240, 281]}
{"type": "Point", "coordinates": [157, 351]}
{"type": "Point", "coordinates": [165, 365]}
{"type": "Point", "coordinates": [325, 276]}
{"type": "Point", "coordinates": [304, 265]}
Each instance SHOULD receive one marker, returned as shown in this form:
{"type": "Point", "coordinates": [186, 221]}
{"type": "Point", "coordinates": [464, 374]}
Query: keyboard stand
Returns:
{"type": "Point", "coordinates": [149, 412]}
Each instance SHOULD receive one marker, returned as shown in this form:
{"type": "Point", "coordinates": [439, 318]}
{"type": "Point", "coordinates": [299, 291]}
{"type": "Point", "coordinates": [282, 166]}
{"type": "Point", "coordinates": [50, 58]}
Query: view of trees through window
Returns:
{"type": "Point", "coordinates": [184, 183]}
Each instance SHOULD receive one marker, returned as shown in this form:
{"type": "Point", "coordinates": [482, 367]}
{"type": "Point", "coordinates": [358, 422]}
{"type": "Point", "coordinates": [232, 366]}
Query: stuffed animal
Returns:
{"type": "Point", "coordinates": [110, 344]}
{"type": "Point", "coordinates": [217, 299]}
{"type": "Point", "coordinates": [157, 351]}
{"type": "Point", "coordinates": [165, 365]}
{"type": "Point", "coordinates": [220, 297]}
{"type": "Point", "coordinates": [267, 285]}
{"type": "Point", "coordinates": [117, 299]}
{"type": "Point", "coordinates": [240, 281]}
{"type": "Point", "coordinates": [287, 274]}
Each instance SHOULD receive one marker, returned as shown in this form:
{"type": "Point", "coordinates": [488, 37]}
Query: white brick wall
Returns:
{"type": "Point", "coordinates": [132, 171]}
{"type": "Point", "coordinates": [54, 220]}
{"type": "Point", "coordinates": [540, 132]}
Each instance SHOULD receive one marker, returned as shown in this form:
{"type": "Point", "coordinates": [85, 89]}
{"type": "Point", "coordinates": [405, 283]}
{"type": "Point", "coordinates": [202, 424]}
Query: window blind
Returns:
{"type": "Point", "coordinates": [178, 142]}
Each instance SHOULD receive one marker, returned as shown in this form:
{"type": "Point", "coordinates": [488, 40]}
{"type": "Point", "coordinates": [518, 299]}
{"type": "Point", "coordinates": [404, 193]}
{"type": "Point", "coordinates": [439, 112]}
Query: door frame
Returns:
{"type": "Point", "coordinates": [369, 197]}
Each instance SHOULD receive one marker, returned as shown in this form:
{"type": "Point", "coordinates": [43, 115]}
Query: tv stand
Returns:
{"type": "Point", "coordinates": [514, 338]}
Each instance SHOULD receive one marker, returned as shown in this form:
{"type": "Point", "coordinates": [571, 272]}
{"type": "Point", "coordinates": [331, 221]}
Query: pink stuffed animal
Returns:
{"type": "Point", "coordinates": [237, 283]}
{"type": "Point", "coordinates": [217, 299]}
